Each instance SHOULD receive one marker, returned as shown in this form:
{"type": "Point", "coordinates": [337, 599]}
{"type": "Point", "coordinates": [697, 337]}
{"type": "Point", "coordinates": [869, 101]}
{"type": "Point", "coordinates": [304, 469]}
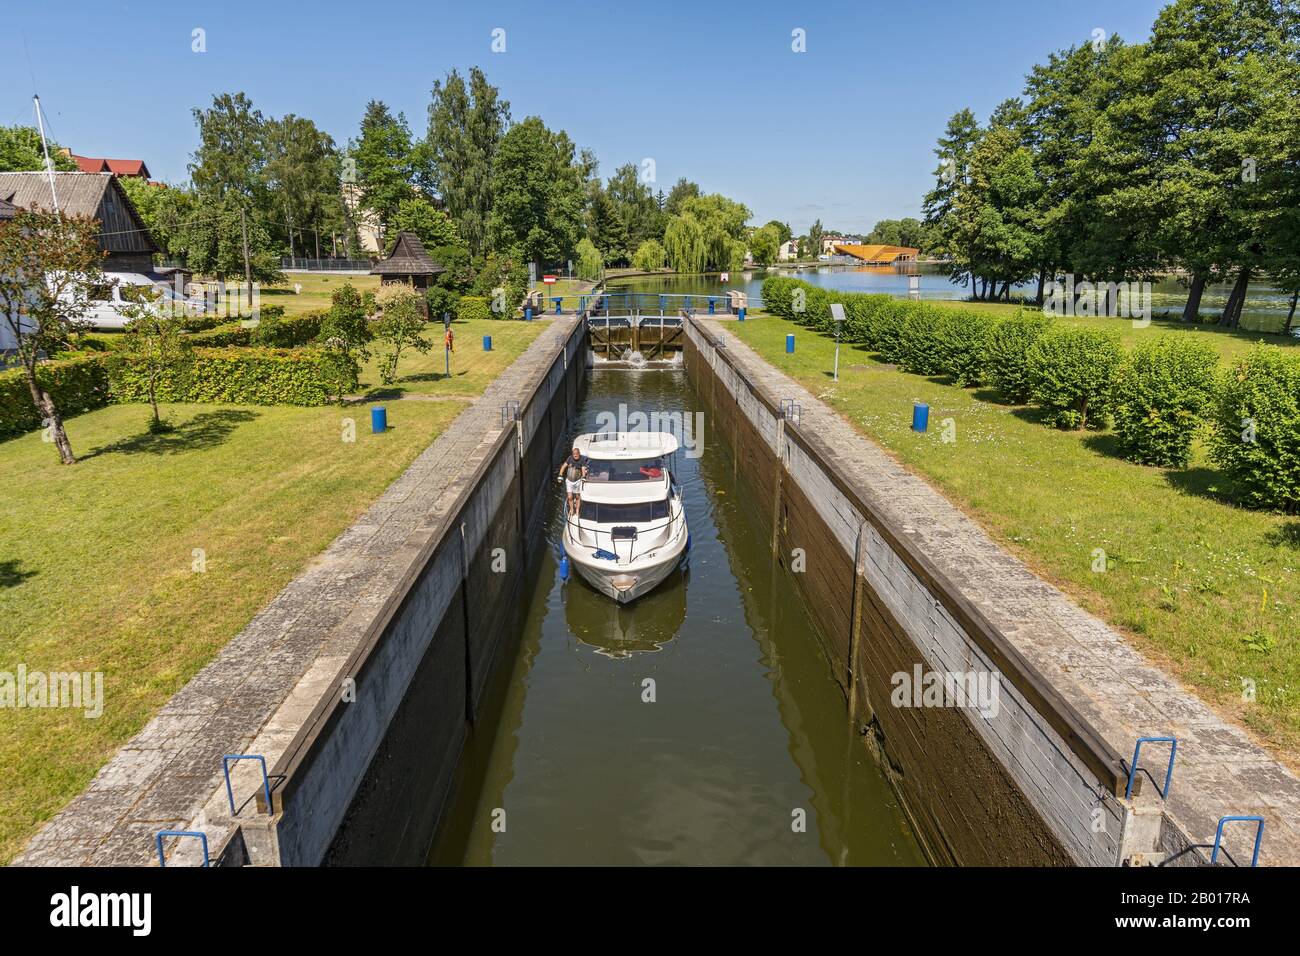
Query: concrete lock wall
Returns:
{"type": "Point", "coordinates": [1026, 783]}
{"type": "Point", "coordinates": [366, 779]}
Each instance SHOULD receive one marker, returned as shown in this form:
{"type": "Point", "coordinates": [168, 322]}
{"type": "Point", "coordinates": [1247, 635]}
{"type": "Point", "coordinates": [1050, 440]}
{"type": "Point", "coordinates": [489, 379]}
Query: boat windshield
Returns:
{"type": "Point", "coordinates": [625, 469]}
{"type": "Point", "coordinates": [636, 511]}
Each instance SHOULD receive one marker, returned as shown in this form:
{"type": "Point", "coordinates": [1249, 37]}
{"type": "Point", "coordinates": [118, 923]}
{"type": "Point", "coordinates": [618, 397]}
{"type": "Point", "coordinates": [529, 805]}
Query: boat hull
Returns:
{"type": "Point", "coordinates": [626, 583]}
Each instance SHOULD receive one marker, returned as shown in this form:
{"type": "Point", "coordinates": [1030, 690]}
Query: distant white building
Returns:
{"type": "Point", "coordinates": [789, 250]}
{"type": "Point", "coordinates": [368, 229]}
{"type": "Point", "coordinates": [830, 242]}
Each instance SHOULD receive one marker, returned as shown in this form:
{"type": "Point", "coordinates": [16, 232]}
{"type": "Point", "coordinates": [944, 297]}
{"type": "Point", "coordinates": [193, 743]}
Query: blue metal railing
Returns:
{"type": "Point", "coordinates": [1218, 837]}
{"type": "Point", "coordinates": [1169, 773]}
{"type": "Point", "coordinates": [644, 303]}
{"type": "Point", "coordinates": [266, 781]}
{"type": "Point", "coordinates": [162, 860]}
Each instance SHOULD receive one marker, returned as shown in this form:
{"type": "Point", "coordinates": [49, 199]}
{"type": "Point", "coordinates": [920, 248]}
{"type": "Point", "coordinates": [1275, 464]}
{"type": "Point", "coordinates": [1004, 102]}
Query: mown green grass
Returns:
{"type": "Point", "coordinates": [1229, 343]}
{"type": "Point", "coordinates": [1208, 590]}
{"type": "Point", "coordinates": [471, 367]}
{"type": "Point", "coordinates": [96, 559]}
{"type": "Point", "coordinates": [315, 292]}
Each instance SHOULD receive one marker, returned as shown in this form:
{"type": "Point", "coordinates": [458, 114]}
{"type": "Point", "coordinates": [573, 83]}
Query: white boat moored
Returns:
{"type": "Point", "coordinates": [630, 530]}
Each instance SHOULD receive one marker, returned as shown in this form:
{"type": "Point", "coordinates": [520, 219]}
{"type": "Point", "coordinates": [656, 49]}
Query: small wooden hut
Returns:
{"type": "Point", "coordinates": [408, 264]}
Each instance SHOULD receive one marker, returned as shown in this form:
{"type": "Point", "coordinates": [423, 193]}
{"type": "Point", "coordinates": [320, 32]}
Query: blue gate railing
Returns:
{"type": "Point", "coordinates": [162, 860]}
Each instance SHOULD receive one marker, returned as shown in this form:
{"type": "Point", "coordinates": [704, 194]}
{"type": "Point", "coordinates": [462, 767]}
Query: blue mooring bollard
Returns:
{"type": "Point", "coordinates": [487, 343]}
{"type": "Point", "coordinates": [528, 314]}
{"type": "Point", "coordinates": [378, 419]}
{"type": "Point", "coordinates": [711, 301]}
{"type": "Point", "coordinates": [789, 343]}
{"type": "Point", "coordinates": [920, 416]}
{"type": "Point", "coordinates": [559, 305]}
{"type": "Point", "coordinates": [740, 314]}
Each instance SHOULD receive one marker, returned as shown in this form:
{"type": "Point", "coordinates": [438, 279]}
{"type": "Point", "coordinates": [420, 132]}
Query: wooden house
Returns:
{"type": "Point", "coordinates": [123, 235]}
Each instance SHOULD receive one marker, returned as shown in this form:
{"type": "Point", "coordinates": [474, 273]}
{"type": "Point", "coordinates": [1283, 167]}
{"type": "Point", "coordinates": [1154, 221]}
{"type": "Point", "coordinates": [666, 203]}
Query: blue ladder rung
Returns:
{"type": "Point", "coordinates": [266, 781]}
{"type": "Point", "coordinates": [162, 860]}
{"type": "Point", "coordinates": [1259, 837]}
{"type": "Point", "coordinates": [1169, 773]}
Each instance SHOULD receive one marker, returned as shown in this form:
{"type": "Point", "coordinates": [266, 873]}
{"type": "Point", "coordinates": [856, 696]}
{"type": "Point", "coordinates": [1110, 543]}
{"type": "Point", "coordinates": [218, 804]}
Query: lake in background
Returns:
{"type": "Point", "coordinates": [1265, 309]}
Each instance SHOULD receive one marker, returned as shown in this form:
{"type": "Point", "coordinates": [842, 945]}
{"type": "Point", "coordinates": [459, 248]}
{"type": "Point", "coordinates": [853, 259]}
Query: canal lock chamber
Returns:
{"type": "Point", "coordinates": [711, 722]}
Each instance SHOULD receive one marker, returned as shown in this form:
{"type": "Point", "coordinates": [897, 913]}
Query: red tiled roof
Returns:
{"type": "Point", "coordinates": [128, 167]}
{"type": "Point", "coordinates": [88, 165]}
{"type": "Point", "coordinates": [118, 167]}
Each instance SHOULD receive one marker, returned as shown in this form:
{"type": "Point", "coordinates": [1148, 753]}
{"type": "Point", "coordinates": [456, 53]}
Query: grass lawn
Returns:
{"type": "Point", "coordinates": [471, 367]}
{"type": "Point", "coordinates": [315, 292]}
{"type": "Point", "coordinates": [1229, 343]}
{"type": "Point", "coordinates": [95, 559]}
{"type": "Point", "coordinates": [1208, 590]}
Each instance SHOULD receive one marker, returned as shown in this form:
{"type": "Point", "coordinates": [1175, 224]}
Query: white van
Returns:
{"type": "Point", "coordinates": [106, 303]}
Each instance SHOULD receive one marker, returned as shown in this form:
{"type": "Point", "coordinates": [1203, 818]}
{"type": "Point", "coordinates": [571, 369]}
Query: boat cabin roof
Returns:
{"type": "Point", "coordinates": [626, 445]}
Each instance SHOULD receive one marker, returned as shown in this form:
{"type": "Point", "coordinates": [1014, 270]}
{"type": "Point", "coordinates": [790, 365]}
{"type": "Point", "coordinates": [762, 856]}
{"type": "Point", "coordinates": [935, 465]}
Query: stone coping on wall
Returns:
{"type": "Point", "coordinates": [1220, 770]}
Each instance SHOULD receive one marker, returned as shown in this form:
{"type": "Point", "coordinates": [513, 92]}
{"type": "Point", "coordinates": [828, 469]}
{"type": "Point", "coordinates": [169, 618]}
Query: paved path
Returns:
{"type": "Point", "coordinates": [1219, 771]}
{"type": "Point", "coordinates": [169, 774]}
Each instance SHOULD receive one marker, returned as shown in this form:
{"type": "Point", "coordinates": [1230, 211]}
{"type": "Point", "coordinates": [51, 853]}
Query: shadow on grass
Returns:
{"type": "Point", "coordinates": [1104, 443]}
{"type": "Point", "coordinates": [1285, 536]}
{"type": "Point", "coordinates": [12, 574]}
{"type": "Point", "coordinates": [1203, 482]}
{"type": "Point", "coordinates": [430, 376]}
{"type": "Point", "coordinates": [204, 430]}
{"type": "Point", "coordinates": [384, 393]}
{"type": "Point", "coordinates": [1031, 413]}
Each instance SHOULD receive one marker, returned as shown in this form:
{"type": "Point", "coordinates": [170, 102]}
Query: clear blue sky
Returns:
{"type": "Point", "coordinates": [711, 91]}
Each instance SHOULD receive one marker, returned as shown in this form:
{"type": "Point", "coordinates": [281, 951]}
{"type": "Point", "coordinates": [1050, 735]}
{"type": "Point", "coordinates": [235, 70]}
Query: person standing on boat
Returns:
{"type": "Point", "coordinates": [572, 471]}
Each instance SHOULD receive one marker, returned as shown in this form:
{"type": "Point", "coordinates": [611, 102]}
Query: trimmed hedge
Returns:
{"type": "Point", "coordinates": [1159, 394]}
{"type": "Point", "coordinates": [271, 331]}
{"type": "Point", "coordinates": [1006, 355]}
{"type": "Point", "coordinates": [1257, 428]}
{"type": "Point", "coordinates": [77, 385]}
{"type": "Point", "coordinates": [1162, 392]}
{"type": "Point", "coordinates": [921, 346]}
{"type": "Point", "coordinates": [236, 376]}
{"type": "Point", "coordinates": [964, 345]}
{"type": "Point", "coordinates": [1072, 375]}
{"type": "Point", "coordinates": [474, 307]}
{"type": "Point", "coordinates": [274, 331]}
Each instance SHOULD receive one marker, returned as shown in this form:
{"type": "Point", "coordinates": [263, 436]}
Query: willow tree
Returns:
{"type": "Point", "coordinates": [684, 244]}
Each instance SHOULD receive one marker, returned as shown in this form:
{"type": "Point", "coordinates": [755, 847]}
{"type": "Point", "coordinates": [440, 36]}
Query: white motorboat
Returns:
{"type": "Point", "coordinates": [630, 530]}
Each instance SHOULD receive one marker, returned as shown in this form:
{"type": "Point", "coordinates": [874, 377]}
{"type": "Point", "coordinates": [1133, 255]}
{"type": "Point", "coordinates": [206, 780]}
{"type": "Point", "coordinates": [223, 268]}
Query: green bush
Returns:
{"type": "Point", "coordinates": [440, 300]}
{"type": "Point", "coordinates": [219, 317]}
{"type": "Point", "coordinates": [222, 336]}
{"type": "Point", "coordinates": [1257, 428]}
{"type": "Point", "coordinates": [273, 331]}
{"type": "Point", "coordinates": [76, 384]}
{"type": "Point", "coordinates": [1162, 392]}
{"type": "Point", "coordinates": [1006, 356]}
{"type": "Point", "coordinates": [886, 330]}
{"type": "Point", "coordinates": [1072, 375]}
{"type": "Point", "coordinates": [920, 349]}
{"type": "Point", "coordinates": [963, 345]}
{"type": "Point", "coordinates": [474, 307]}
{"type": "Point", "coordinates": [859, 310]}
{"type": "Point", "coordinates": [237, 376]}
{"type": "Point", "coordinates": [776, 296]}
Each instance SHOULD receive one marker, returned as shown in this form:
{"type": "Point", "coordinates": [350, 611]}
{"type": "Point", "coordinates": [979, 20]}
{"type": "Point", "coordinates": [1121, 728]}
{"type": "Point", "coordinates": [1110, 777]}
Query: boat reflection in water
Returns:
{"type": "Point", "coordinates": [618, 630]}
